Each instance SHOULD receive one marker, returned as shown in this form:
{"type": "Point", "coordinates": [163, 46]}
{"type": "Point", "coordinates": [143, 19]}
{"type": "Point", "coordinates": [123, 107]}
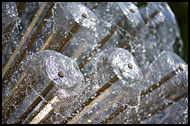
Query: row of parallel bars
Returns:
{"type": "Point", "coordinates": [101, 44]}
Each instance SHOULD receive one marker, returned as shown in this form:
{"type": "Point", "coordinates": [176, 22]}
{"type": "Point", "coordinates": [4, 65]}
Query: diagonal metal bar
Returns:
{"type": "Point", "coordinates": [29, 29]}
{"type": "Point", "coordinates": [73, 30]}
{"type": "Point", "coordinates": [98, 92]}
{"type": "Point", "coordinates": [14, 68]}
{"type": "Point", "coordinates": [143, 94]}
{"type": "Point", "coordinates": [161, 108]}
{"type": "Point", "coordinates": [104, 40]}
{"type": "Point", "coordinates": [34, 103]}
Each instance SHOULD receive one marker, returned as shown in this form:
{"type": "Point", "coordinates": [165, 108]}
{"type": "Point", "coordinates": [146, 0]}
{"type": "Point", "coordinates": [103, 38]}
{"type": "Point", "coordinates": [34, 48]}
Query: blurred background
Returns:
{"type": "Point", "coordinates": [180, 10]}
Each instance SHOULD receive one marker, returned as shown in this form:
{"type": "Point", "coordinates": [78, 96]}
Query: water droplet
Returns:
{"type": "Point", "coordinates": [89, 121]}
{"type": "Point", "coordinates": [115, 105]}
{"type": "Point", "coordinates": [108, 25]}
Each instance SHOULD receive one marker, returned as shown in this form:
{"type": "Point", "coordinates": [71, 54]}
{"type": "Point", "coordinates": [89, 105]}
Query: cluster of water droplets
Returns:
{"type": "Point", "coordinates": [113, 62]}
{"type": "Point", "coordinates": [10, 13]}
{"type": "Point", "coordinates": [168, 63]}
{"type": "Point", "coordinates": [150, 36]}
{"type": "Point", "coordinates": [10, 22]}
{"type": "Point", "coordinates": [161, 32]}
{"type": "Point", "coordinates": [165, 63]}
{"type": "Point", "coordinates": [77, 16]}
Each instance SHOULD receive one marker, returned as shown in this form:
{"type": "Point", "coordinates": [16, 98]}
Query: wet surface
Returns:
{"type": "Point", "coordinates": [97, 62]}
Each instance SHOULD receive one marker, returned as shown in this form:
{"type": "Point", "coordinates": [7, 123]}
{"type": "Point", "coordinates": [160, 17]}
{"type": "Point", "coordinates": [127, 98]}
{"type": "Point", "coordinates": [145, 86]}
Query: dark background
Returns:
{"type": "Point", "coordinates": [180, 10]}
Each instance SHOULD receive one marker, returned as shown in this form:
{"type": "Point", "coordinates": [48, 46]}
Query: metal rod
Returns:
{"type": "Point", "coordinates": [161, 108]}
{"type": "Point", "coordinates": [35, 102]}
{"type": "Point", "coordinates": [87, 103]}
{"type": "Point", "coordinates": [45, 111]}
{"type": "Point", "coordinates": [123, 44]}
{"type": "Point", "coordinates": [101, 97]}
{"type": "Point", "coordinates": [134, 33]}
{"type": "Point", "coordinates": [98, 92]}
{"type": "Point", "coordinates": [104, 40]}
{"type": "Point", "coordinates": [10, 73]}
{"type": "Point", "coordinates": [22, 41]}
{"type": "Point", "coordinates": [143, 94]}
{"type": "Point", "coordinates": [73, 30]}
